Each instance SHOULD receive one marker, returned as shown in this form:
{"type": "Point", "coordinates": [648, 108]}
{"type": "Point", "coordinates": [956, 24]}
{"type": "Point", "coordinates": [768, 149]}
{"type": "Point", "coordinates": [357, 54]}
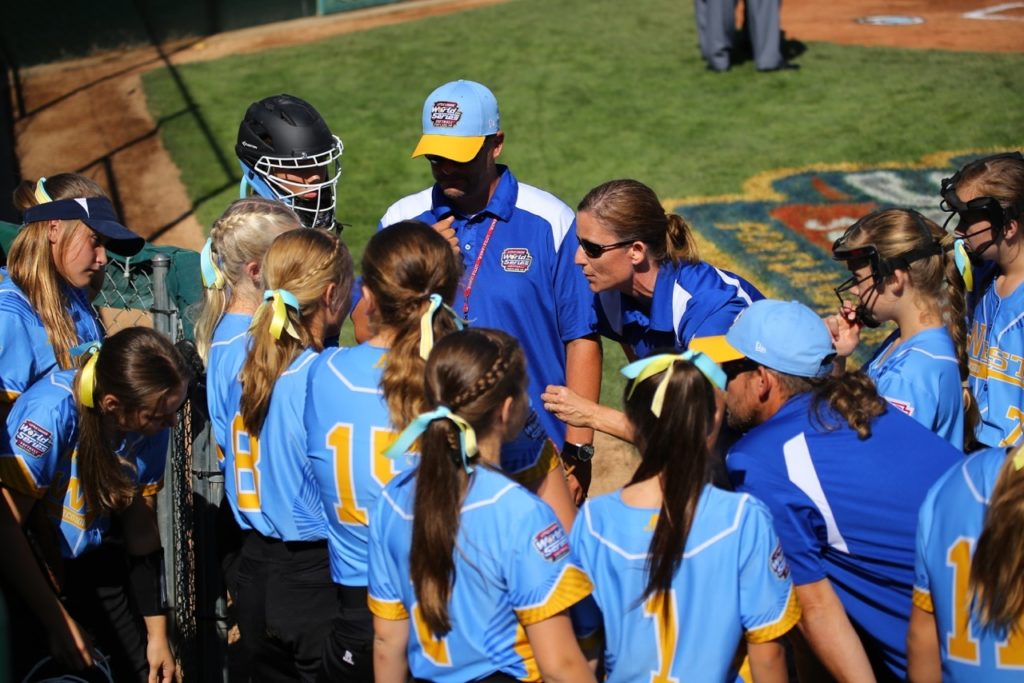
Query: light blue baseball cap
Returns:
{"type": "Point", "coordinates": [456, 119]}
{"type": "Point", "coordinates": [785, 336]}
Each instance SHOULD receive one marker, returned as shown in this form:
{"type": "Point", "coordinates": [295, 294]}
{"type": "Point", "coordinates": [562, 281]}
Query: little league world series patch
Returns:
{"type": "Point", "coordinates": [445, 114]}
{"type": "Point", "coordinates": [551, 542]}
{"type": "Point", "coordinates": [779, 231]}
{"type": "Point", "coordinates": [516, 260]}
{"type": "Point", "coordinates": [33, 439]}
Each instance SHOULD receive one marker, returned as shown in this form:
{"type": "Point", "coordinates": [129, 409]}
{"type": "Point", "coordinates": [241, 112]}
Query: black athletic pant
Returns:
{"type": "Point", "coordinates": [95, 593]}
{"type": "Point", "coordinates": [286, 600]}
{"type": "Point", "coordinates": [348, 651]}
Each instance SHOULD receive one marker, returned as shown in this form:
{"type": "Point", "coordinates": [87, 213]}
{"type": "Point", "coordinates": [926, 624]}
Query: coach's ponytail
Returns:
{"type": "Point", "coordinates": [633, 213]}
{"type": "Point", "coordinates": [673, 447]}
{"type": "Point", "coordinates": [472, 373]}
{"type": "Point", "coordinates": [241, 236]}
{"type": "Point", "coordinates": [298, 269]}
{"type": "Point", "coordinates": [402, 267]}
{"type": "Point", "coordinates": [998, 564]}
{"type": "Point", "coordinates": [137, 366]}
{"type": "Point", "coordinates": [30, 261]}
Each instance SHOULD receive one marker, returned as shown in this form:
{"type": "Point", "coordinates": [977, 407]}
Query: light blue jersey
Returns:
{"type": "Point", "coordinates": [921, 377]}
{"type": "Point", "coordinates": [995, 345]}
{"type": "Point", "coordinates": [268, 479]}
{"type": "Point", "coordinates": [951, 520]}
{"type": "Point", "coordinates": [39, 458]}
{"type": "Point", "coordinates": [512, 570]}
{"type": "Point", "coordinates": [733, 583]}
{"type": "Point", "coordinates": [348, 429]}
{"type": "Point", "coordinates": [228, 347]}
{"type": "Point", "coordinates": [26, 354]}
{"type": "Point", "coordinates": [347, 432]}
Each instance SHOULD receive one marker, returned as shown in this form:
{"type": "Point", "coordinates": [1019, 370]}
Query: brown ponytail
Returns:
{"type": "Point", "coordinates": [998, 564]}
{"type": "Point", "coordinates": [673, 448]}
{"type": "Point", "coordinates": [472, 372]}
{"type": "Point", "coordinates": [402, 266]}
{"type": "Point", "coordinates": [137, 366]}
{"type": "Point", "coordinates": [306, 263]}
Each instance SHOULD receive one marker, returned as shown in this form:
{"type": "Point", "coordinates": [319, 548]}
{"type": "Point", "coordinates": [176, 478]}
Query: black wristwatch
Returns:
{"type": "Point", "coordinates": [580, 452]}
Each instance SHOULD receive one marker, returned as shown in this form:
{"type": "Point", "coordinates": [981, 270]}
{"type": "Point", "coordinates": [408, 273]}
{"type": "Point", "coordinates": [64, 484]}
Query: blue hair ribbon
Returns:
{"type": "Point", "coordinates": [427, 323]}
{"type": "Point", "coordinates": [467, 437]}
{"type": "Point", "coordinates": [640, 370]}
{"type": "Point", "coordinates": [213, 278]}
{"type": "Point", "coordinates": [281, 300]}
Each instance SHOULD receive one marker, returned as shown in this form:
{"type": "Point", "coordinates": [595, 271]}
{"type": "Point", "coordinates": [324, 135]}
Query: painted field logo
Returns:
{"type": "Point", "coordinates": [778, 233]}
{"type": "Point", "coordinates": [516, 260]}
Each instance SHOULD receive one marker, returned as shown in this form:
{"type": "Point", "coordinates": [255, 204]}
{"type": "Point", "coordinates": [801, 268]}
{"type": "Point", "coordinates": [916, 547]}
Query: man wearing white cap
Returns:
{"type": "Point", "coordinates": [843, 475]}
{"type": "Point", "coordinates": [517, 243]}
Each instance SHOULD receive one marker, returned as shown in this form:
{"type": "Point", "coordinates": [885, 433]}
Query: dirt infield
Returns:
{"type": "Point", "coordinates": [90, 114]}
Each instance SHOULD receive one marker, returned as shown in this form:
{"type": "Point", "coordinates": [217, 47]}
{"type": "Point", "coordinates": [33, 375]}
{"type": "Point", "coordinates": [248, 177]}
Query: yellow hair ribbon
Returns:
{"type": "Point", "coordinates": [467, 437]}
{"type": "Point", "coordinates": [644, 368]}
{"type": "Point", "coordinates": [281, 300]}
{"type": "Point", "coordinates": [427, 324]}
{"type": "Point", "coordinates": [87, 379]}
{"type": "Point", "coordinates": [42, 196]}
{"type": "Point", "coordinates": [963, 264]}
{"type": "Point", "coordinates": [1018, 458]}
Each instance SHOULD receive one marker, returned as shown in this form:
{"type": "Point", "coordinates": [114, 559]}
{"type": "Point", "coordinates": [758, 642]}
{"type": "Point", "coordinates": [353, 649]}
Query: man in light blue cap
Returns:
{"type": "Point", "coordinates": [517, 243]}
{"type": "Point", "coordinates": [844, 476]}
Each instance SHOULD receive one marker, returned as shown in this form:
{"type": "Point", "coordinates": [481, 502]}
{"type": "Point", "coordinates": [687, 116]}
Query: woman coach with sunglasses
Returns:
{"type": "Point", "coordinates": [653, 292]}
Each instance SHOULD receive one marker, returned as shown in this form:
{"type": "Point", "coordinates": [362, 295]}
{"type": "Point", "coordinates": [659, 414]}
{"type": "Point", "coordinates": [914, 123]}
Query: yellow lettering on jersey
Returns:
{"type": "Point", "coordinates": [976, 340]}
{"type": "Point", "coordinates": [960, 643]}
{"type": "Point", "coordinates": [339, 439]}
{"type": "Point", "coordinates": [435, 649]}
{"type": "Point", "coordinates": [247, 460]}
{"type": "Point", "coordinates": [1014, 413]}
{"type": "Point", "coordinates": [666, 633]}
{"type": "Point", "coordinates": [1009, 652]}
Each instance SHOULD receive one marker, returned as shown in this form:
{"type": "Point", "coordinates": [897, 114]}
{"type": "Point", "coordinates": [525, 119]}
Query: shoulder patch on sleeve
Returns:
{"type": "Point", "coordinates": [33, 439]}
{"type": "Point", "coordinates": [778, 563]}
{"type": "Point", "coordinates": [902, 406]}
{"type": "Point", "coordinates": [551, 542]}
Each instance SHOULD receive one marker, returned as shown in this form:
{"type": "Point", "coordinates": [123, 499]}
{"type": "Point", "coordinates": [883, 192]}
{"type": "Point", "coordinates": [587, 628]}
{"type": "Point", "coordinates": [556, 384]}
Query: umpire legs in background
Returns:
{"type": "Point", "coordinates": [716, 29]}
{"type": "Point", "coordinates": [765, 34]}
{"type": "Point", "coordinates": [286, 601]}
{"type": "Point", "coordinates": [348, 652]}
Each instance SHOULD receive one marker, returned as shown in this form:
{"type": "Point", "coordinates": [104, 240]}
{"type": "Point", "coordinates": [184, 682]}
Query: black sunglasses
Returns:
{"type": "Point", "coordinates": [735, 368]}
{"type": "Point", "coordinates": [594, 250]}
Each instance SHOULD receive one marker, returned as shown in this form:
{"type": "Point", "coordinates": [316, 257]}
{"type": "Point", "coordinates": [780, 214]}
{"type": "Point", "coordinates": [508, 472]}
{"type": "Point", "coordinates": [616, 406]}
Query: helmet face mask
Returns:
{"type": "Point", "coordinates": [288, 154]}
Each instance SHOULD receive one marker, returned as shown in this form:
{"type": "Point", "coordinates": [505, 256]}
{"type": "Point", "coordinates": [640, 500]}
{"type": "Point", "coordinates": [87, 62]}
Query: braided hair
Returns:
{"type": "Point", "coordinates": [473, 373]}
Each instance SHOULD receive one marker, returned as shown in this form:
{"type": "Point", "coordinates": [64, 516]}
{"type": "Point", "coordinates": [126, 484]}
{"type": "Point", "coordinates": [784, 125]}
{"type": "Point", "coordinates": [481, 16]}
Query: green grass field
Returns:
{"type": "Point", "coordinates": [592, 90]}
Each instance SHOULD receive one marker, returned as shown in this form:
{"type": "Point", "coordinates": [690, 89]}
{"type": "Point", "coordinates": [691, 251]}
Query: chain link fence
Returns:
{"type": "Point", "coordinates": [158, 289]}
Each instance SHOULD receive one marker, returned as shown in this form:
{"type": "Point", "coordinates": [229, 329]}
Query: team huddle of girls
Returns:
{"type": "Point", "coordinates": [402, 517]}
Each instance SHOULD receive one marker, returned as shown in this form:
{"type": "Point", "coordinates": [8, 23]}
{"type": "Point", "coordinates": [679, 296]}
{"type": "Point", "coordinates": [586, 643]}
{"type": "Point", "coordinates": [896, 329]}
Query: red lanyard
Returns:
{"type": "Point", "coordinates": [476, 268]}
